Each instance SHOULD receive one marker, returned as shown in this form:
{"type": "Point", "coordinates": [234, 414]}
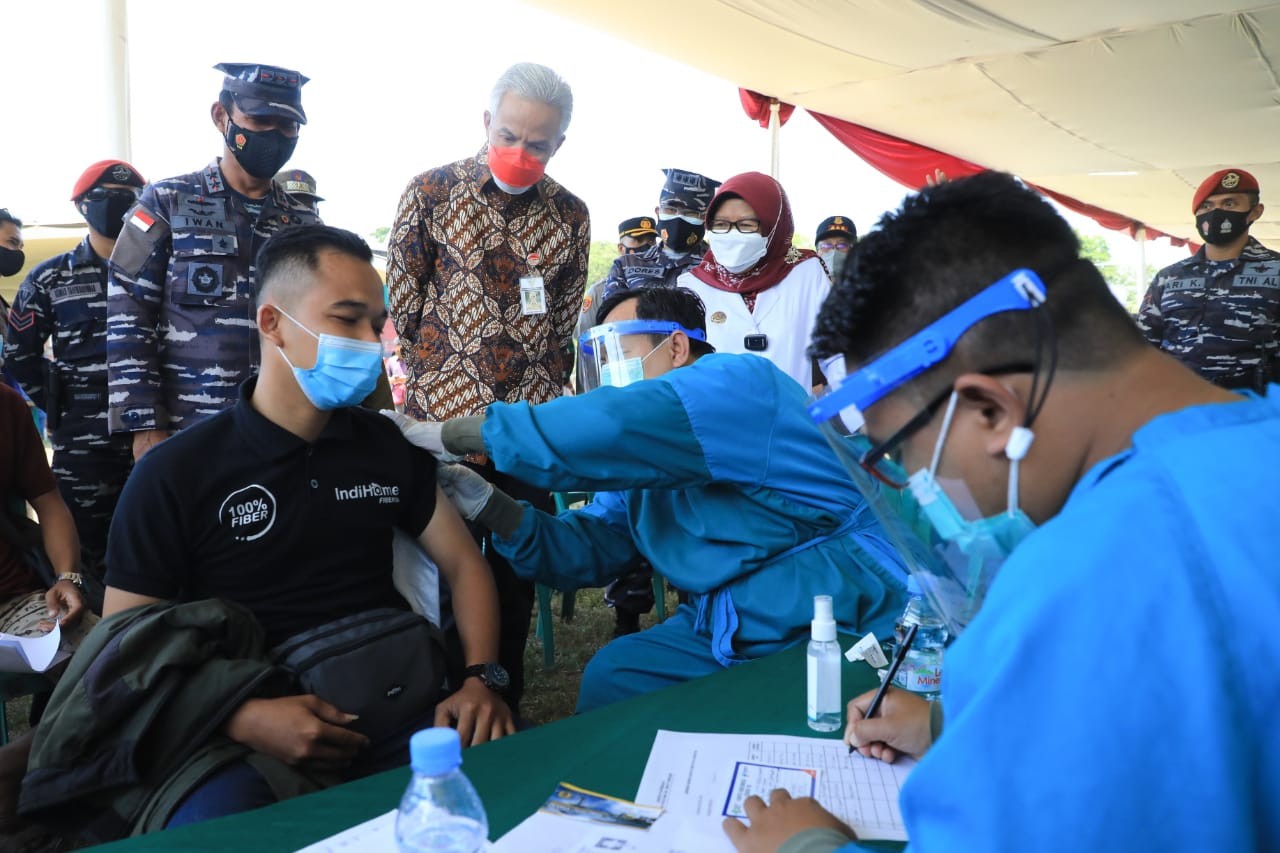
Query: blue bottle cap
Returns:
{"type": "Point", "coordinates": [435, 751]}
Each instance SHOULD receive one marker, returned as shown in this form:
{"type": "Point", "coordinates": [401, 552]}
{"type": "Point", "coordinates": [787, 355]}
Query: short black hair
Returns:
{"type": "Point", "coordinates": [946, 244]}
{"type": "Point", "coordinates": [291, 250]}
{"type": "Point", "coordinates": [674, 304]}
{"type": "Point", "coordinates": [6, 216]}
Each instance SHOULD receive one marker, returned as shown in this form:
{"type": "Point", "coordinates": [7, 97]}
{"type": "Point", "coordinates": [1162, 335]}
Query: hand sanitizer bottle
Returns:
{"type": "Point", "coordinates": [824, 710]}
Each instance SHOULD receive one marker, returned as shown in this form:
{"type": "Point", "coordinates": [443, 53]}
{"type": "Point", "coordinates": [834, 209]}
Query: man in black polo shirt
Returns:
{"type": "Point", "coordinates": [286, 504]}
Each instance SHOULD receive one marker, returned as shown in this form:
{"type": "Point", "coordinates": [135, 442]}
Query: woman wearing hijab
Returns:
{"type": "Point", "coordinates": [762, 293]}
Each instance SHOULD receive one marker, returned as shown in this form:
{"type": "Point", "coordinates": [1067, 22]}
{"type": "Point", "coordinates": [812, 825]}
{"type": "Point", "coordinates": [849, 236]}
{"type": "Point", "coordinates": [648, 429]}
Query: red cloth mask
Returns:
{"type": "Point", "coordinates": [514, 167]}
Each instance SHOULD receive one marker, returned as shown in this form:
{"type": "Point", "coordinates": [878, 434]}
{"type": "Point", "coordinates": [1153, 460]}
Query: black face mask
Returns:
{"type": "Point", "coordinates": [680, 236]}
{"type": "Point", "coordinates": [1220, 227]}
{"type": "Point", "coordinates": [11, 260]}
{"type": "Point", "coordinates": [261, 153]}
{"type": "Point", "coordinates": [105, 212]}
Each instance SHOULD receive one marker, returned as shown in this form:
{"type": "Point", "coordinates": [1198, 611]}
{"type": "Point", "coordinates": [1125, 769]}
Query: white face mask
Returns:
{"type": "Point", "coordinates": [738, 252]}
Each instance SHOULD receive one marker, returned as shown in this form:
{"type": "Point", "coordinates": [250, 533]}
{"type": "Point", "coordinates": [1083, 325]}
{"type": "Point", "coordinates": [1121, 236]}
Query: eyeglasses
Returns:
{"type": "Point", "coordinates": [744, 226]}
{"type": "Point", "coordinates": [884, 460]}
{"type": "Point", "coordinates": [842, 246]}
{"type": "Point", "coordinates": [101, 193]}
{"type": "Point", "coordinates": [687, 213]}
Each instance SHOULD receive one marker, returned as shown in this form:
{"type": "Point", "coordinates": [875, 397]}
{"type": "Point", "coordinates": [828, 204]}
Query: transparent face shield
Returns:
{"type": "Point", "coordinates": [619, 350]}
{"type": "Point", "coordinates": [949, 546]}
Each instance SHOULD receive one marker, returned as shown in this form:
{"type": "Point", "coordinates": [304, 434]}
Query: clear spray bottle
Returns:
{"type": "Point", "coordinates": [824, 709]}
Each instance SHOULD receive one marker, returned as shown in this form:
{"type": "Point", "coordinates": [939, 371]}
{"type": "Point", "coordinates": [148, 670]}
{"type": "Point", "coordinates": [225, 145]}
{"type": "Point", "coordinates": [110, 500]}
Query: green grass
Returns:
{"type": "Point", "coordinates": [549, 695]}
{"type": "Point", "coordinates": [552, 695]}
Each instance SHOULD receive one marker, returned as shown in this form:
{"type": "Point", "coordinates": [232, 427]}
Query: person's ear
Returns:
{"type": "Point", "coordinates": [83, 207]}
{"type": "Point", "coordinates": [995, 406]}
{"type": "Point", "coordinates": [219, 115]}
{"type": "Point", "coordinates": [487, 119]}
{"type": "Point", "coordinates": [269, 323]}
{"type": "Point", "coordinates": [1256, 213]}
{"type": "Point", "coordinates": [681, 352]}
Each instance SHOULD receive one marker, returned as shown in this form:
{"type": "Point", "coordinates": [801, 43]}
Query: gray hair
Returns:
{"type": "Point", "coordinates": [534, 82]}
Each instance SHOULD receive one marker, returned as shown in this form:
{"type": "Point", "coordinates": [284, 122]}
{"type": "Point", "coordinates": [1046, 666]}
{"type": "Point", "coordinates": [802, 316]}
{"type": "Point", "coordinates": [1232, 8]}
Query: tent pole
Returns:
{"type": "Point", "coordinates": [775, 125]}
{"type": "Point", "coordinates": [116, 78]}
{"type": "Point", "coordinates": [1141, 236]}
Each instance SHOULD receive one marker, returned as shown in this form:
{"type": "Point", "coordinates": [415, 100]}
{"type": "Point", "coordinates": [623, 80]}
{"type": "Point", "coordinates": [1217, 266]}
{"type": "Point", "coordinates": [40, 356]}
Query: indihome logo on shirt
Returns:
{"type": "Point", "coordinates": [383, 494]}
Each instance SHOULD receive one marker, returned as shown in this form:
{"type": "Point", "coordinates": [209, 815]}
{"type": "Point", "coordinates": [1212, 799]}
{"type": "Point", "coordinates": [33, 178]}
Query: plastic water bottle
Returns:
{"type": "Point", "coordinates": [921, 671]}
{"type": "Point", "coordinates": [441, 811]}
{"type": "Point", "coordinates": [824, 668]}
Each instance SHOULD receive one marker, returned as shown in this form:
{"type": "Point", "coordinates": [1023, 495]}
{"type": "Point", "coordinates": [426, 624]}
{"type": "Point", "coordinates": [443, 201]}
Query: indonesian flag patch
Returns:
{"type": "Point", "coordinates": [142, 220]}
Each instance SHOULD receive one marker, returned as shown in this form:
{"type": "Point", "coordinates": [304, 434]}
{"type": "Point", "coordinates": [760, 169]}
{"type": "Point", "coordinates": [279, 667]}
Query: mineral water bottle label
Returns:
{"type": "Point", "coordinates": [924, 679]}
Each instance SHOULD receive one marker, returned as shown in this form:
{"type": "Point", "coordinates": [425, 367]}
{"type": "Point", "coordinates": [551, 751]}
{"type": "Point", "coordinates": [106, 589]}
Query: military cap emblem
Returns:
{"type": "Point", "coordinates": [646, 223]}
{"type": "Point", "coordinates": [119, 174]}
{"type": "Point", "coordinates": [1230, 181]}
{"type": "Point", "coordinates": [839, 221]}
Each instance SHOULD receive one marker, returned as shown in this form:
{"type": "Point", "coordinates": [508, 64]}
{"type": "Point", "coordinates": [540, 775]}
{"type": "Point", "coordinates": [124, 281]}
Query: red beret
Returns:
{"type": "Point", "coordinates": [107, 172]}
{"type": "Point", "coordinates": [1224, 181]}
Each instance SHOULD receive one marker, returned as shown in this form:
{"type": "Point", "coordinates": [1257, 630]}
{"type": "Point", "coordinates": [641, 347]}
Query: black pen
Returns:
{"type": "Point", "coordinates": [888, 679]}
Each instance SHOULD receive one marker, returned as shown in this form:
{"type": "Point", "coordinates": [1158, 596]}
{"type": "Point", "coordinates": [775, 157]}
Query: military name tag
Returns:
{"type": "Point", "coordinates": [1259, 275]}
{"type": "Point", "coordinates": [1179, 284]}
{"type": "Point", "coordinates": [533, 295]}
{"type": "Point", "coordinates": [75, 291]}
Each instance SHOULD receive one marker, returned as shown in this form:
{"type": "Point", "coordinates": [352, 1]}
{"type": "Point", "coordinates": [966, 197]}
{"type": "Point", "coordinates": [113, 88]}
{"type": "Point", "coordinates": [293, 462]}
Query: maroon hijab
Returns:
{"type": "Point", "coordinates": [769, 200]}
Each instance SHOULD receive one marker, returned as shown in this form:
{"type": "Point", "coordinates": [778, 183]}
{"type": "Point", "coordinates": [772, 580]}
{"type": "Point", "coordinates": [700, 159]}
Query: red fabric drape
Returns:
{"type": "Point", "coordinates": [756, 107]}
{"type": "Point", "coordinates": [917, 165]}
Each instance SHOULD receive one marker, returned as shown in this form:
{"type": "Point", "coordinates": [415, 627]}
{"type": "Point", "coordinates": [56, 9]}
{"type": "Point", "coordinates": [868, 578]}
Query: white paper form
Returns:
{"type": "Point", "coordinates": [31, 654]}
{"type": "Point", "coordinates": [710, 775]}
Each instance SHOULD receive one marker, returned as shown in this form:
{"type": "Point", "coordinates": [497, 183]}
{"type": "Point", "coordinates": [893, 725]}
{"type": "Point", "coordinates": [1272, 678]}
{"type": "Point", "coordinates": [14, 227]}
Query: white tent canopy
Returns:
{"type": "Point", "coordinates": [1125, 105]}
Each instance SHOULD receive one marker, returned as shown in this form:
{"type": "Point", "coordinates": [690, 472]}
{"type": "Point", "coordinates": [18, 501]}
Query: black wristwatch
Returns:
{"type": "Point", "coordinates": [491, 675]}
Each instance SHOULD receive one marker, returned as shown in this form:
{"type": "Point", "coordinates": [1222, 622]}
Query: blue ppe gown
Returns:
{"type": "Point", "coordinates": [1119, 688]}
{"type": "Point", "coordinates": [716, 475]}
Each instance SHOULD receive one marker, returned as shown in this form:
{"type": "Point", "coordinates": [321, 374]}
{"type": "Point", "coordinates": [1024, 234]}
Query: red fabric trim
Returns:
{"type": "Point", "coordinates": [756, 107]}
{"type": "Point", "coordinates": [916, 166]}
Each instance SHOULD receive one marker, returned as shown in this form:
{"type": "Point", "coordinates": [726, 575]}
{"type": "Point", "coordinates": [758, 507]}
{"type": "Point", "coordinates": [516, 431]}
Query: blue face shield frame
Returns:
{"type": "Point", "coordinates": [954, 555]}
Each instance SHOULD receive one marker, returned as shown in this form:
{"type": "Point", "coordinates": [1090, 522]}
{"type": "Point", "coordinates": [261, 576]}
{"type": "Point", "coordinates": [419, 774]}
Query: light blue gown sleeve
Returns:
{"type": "Point", "coordinates": [580, 548]}
{"type": "Point", "coordinates": [609, 439]}
{"type": "Point", "coordinates": [1093, 692]}
{"type": "Point", "coordinates": [711, 421]}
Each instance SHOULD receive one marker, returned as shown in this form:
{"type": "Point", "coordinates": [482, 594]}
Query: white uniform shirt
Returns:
{"type": "Point", "coordinates": [785, 315]}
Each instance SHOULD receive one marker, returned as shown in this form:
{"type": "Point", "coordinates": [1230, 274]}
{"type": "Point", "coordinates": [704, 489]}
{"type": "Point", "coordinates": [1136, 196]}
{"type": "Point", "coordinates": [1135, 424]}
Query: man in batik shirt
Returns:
{"type": "Point", "coordinates": [486, 267]}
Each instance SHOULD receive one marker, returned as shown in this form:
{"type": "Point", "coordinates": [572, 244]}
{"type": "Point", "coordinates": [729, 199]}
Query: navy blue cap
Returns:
{"type": "Point", "coordinates": [689, 189]}
{"type": "Point", "coordinates": [637, 226]}
{"type": "Point", "coordinates": [841, 225]}
{"type": "Point", "coordinates": [264, 90]}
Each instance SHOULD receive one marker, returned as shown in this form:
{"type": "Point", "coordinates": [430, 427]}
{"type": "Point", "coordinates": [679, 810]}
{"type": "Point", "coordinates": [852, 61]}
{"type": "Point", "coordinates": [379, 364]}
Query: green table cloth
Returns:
{"type": "Point", "coordinates": [604, 750]}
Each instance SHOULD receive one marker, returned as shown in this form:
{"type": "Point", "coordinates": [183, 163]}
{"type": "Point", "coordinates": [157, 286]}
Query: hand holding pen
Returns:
{"type": "Point", "coordinates": [889, 722]}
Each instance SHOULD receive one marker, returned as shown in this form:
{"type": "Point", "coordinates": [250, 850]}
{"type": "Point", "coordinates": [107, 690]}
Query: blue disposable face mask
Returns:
{"type": "Point", "coordinates": [345, 373]}
{"type": "Point", "coordinates": [992, 537]}
{"type": "Point", "coordinates": [624, 371]}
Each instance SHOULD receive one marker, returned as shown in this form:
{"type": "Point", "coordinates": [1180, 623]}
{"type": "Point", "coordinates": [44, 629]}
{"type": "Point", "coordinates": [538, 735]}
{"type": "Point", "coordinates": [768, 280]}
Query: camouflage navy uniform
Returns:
{"type": "Point", "coordinates": [652, 268]}
{"type": "Point", "coordinates": [66, 298]}
{"type": "Point", "coordinates": [182, 298]}
{"type": "Point", "coordinates": [1220, 318]}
